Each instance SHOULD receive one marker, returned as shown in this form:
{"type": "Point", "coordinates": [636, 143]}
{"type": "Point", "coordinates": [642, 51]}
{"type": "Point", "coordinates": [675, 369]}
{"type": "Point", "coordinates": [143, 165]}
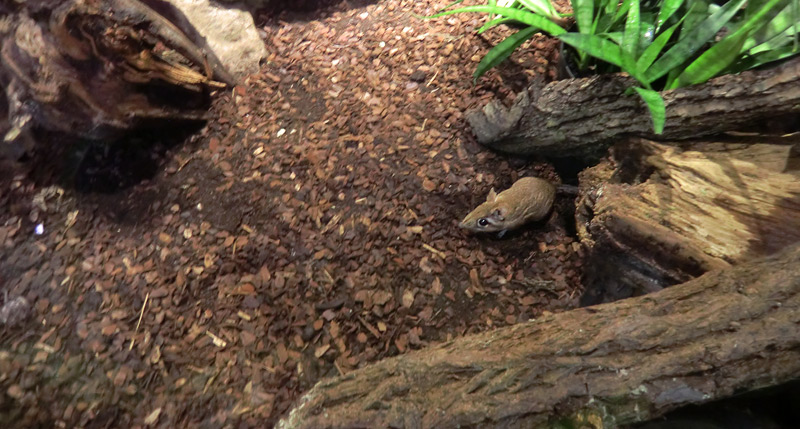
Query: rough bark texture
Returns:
{"type": "Point", "coordinates": [95, 69]}
{"type": "Point", "coordinates": [577, 117]}
{"type": "Point", "coordinates": [654, 215]}
{"type": "Point", "coordinates": [726, 332]}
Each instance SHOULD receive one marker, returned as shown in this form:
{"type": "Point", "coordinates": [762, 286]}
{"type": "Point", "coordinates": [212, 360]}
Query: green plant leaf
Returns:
{"type": "Point", "coordinates": [629, 65]}
{"type": "Point", "coordinates": [630, 38]}
{"type": "Point", "coordinates": [693, 41]}
{"type": "Point", "coordinates": [522, 16]}
{"type": "Point", "coordinates": [796, 15]}
{"type": "Point", "coordinates": [595, 46]}
{"type": "Point", "coordinates": [698, 11]}
{"type": "Point", "coordinates": [503, 50]}
{"type": "Point", "coordinates": [720, 56]}
{"type": "Point", "coordinates": [615, 37]}
{"type": "Point", "coordinates": [751, 7]}
{"type": "Point", "coordinates": [710, 63]}
{"type": "Point", "coordinates": [609, 6]}
{"type": "Point", "coordinates": [452, 4]}
{"type": "Point", "coordinates": [787, 37]}
{"type": "Point", "coordinates": [651, 52]}
{"type": "Point", "coordinates": [668, 8]}
{"type": "Point", "coordinates": [647, 29]}
{"type": "Point", "coordinates": [622, 11]}
{"type": "Point", "coordinates": [609, 12]}
{"type": "Point", "coordinates": [777, 25]}
{"type": "Point", "coordinates": [764, 57]}
{"type": "Point", "coordinates": [760, 18]}
{"type": "Point", "coordinates": [494, 23]}
{"type": "Point", "coordinates": [654, 102]}
{"type": "Point", "coordinates": [542, 7]}
{"type": "Point", "coordinates": [584, 15]}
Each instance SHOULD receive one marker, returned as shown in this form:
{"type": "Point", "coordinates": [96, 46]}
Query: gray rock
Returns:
{"type": "Point", "coordinates": [14, 312]}
{"type": "Point", "coordinates": [230, 34]}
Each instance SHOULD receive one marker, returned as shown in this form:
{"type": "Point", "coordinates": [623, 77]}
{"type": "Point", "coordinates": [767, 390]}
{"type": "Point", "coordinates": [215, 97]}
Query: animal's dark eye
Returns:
{"type": "Point", "coordinates": [483, 222]}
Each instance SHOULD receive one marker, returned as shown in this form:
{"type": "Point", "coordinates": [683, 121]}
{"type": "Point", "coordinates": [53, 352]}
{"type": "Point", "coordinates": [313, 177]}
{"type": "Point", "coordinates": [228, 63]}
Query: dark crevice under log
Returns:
{"type": "Point", "coordinates": [579, 117]}
{"type": "Point", "coordinates": [726, 332]}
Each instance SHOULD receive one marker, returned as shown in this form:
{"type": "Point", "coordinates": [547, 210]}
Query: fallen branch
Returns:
{"type": "Point", "coordinates": [630, 361]}
{"type": "Point", "coordinates": [579, 117]}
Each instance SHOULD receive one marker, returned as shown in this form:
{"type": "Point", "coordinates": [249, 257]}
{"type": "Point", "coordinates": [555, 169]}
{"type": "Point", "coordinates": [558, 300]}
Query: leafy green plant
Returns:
{"type": "Point", "coordinates": [662, 44]}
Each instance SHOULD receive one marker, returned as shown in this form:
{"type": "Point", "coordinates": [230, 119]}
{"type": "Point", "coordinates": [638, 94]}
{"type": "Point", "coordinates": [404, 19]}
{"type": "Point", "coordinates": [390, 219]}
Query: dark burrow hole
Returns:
{"type": "Point", "coordinates": [91, 166]}
{"type": "Point", "coordinates": [568, 170]}
{"type": "Point", "coordinates": [772, 408]}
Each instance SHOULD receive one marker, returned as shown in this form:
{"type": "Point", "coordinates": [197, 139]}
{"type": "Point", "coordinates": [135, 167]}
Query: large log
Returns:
{"type": "Point", "coordinates": [629, 361]}
{"type": "Point", "coordinates": [654, 215]}
{"type": "Point", "coordinates": [579, 117]}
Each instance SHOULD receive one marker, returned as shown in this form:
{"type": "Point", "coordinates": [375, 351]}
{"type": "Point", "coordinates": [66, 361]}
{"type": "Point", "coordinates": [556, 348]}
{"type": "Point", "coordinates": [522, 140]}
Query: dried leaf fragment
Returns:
{"type": "Point", "coordinates": [152, 418]}
{"type": "Point", "coordinates": [245, 289]}
{"type": "Point", "coordinates": [15, 391]}
{"type": "Point", "coordinates": [475, 281]}
{"type": "Point", "coordinates": [72, 217]}
{"type": "Point", "coordinates": [283, 354]}
{"type": "Point", "coordinates": [319, 351]}
{"type": "Point", "coordinates": [425, 265]}
{"type": "Point", "coordinates": [408, 298]}
{"type": "Point", "coordinates": [401, 342]}
{"type": "Point", "coordinates": [436, 286]}
{"type": "Point", "coordinates": [247, 338]}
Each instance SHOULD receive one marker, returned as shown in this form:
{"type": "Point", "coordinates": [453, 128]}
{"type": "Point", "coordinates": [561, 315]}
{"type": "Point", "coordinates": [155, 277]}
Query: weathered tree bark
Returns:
{"type": "Point", "coordinates": [654, 215]}
{"type": "Point", "coordinates": [579, 117]}
{"type": "Point", "coordinates": [629, 361]}
{"type": "Point", "coordinates": [95, 69]}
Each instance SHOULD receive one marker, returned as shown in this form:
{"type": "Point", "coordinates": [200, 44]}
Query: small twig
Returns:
{"type": "Point", "coordinates": [369, 327]}
{"type": "Point", "coordinates": [434, 77]}
{"type": "Point", "coordinates": [338, 368]}
{"type": "Point", "coordinates": [210, 381]}
{"type": "Point", "coordinates": [436, 252]}
{"type": "Point", "coordinates": [141, 314]}
{"type": "Point", "coordinates": [183, 163]}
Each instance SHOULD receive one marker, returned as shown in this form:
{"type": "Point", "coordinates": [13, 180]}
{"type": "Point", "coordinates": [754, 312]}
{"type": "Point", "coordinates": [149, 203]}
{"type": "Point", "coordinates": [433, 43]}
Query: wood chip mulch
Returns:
{"type": "Point", "coordinates": [306, 231]}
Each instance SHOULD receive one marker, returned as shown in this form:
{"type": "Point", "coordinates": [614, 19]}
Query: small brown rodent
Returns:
{"type": "Point", "coordinates": [529, 199]}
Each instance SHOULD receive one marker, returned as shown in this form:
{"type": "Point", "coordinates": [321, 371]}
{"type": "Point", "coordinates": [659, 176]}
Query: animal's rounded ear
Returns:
{"type": "Point", "coordinates": [491, 197]}
{"type": "Point", "coordinates": [499, 213]}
